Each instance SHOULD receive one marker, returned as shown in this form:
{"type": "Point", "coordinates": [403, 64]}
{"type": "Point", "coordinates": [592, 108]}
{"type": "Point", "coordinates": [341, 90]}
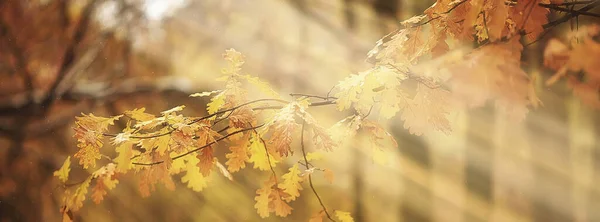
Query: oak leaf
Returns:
{"type": "Point", "coordinates": [63, 172]}
{"type": "Point", "coordinates": [291, 183]}
{"type": "Point", "coordinates": [193, 177]}
{"type": "Point", "coordinates": [343, 216]}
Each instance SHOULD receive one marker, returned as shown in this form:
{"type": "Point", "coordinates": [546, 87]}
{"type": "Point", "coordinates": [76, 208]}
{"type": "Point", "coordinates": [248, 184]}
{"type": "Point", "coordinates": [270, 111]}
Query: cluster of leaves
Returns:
{"type": "Point", "coordinates": [156, 148]}
{"type": "Point", "coordinates": [577, 61]}
{"type": "Point", "coordinates": [458, 54]}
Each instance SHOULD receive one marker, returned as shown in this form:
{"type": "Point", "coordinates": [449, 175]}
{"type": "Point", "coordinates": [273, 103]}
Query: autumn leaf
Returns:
{"type": "Point", "coordinates": [291, 183]}
{"type": "Point", "coordinates": [427, 110]}
{"type": "Point", "coordinates": [531, 17]}
{"type": "Point", "coordinates": [259, 156]}
{"type": "Point", "coordinates": [282, 128]}
{"type": "Point", "coordinates": [262, 201]}
{"type": "Point", "coordinates": [202, 94]}
{"type": "Point", "coordinates": [105, 181]}
{"type": "Point", "coordinates": [173, 110]}
{"type": "Point", "coordinates": [349, 90]}
{"type": "Point", "coordinates": [75, 200]}
{"type": "Point", "coordinates": [206, 161]}
{"type": "Point", "coordinates": [343, 216]}
{"type": "Point", "coordinates": [89, 131]}
{"type": "Point", "coordinates": [139, 115]}
{"type": "Point", "coordinates": [177, 166]}
{"type": "Point", "coordinates": [216, 103]}
{"type": "Point", "coordinates": [150, 176]}
{"type": "Point", "coordinates": [344, 129]}
{"type": "Point", "coordinates": [63, 172]}
{"type": "Point", "coordinates": [235, 60]}
{"type": "Point", "coordinates": [263, 86]}
{"type": "Point", "coordinates": [160, 143]}
{"type": "Point", "coordinates": [239, 154]}
{"type": "Point", "coordinates": [269, 200]}
{"type": "Point", "coordinates": [193, 177]}
{"type": "Point", "coordinates": [317, 217]}
{"type": "Point", "coordinates": [321, 137]}
{"type": "Point", "coordinates": [242, 118]}
{"type": "Point", "coordinates": [580, 58]}
{"type": "Point", "coordinates": [123, 159]}
{"type": "Point", "coordinates": [281, 208]}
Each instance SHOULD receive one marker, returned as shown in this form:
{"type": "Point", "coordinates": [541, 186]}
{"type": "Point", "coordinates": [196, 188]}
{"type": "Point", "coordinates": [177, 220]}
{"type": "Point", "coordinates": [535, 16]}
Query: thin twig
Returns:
{"type": "Point", "coordinates": [202, 147]}
{"type": "Point", "coordinates": [312, 187]}
{"type": "Point", "coordinates": [567, 10]}
{"type": "Point", "coordinates": [237, 107]}
{"type": "Point", "coordinates": [268, 157]}
{"type": "Point", "coordinates": [312, 96]}
{"type": "Point", "coordinates": [568, 16]}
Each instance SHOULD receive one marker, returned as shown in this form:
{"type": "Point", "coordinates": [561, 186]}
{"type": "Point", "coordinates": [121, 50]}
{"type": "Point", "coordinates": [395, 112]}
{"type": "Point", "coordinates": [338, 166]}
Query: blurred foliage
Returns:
{"type": "Point", "coordinates": [60, 58]}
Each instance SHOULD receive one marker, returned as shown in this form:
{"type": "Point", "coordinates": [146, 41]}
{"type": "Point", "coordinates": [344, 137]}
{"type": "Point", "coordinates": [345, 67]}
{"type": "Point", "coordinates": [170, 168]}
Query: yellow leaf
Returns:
{"type": "Point", "coordinates": [262, 86]}
{"type": "Point", "coordinates": [123, 159]}
{"type": "Point", "coordinates": [177, 166]}
{"type": "Point", "coordinates": [173, 110]}
{"type": "Point", "coordinates": [205, 93]}
{"type": "Point", "coordinates": [104, 181]}
{"type": "Point", "coordinates": [89, 131]}
{"type": "Point", "coordinates": [215, 103]}
{"type": "Point", "coordinates": [349, 90]}
{"type": "Point", "coordinates": [161, 143]}
{"type": "Point", "coordinates": [270, 200]}
{"type": "Point", "coordinates": [314, 156]}
{"type": "Point", "coordinates": [139, 115]}
{"type": "Point", "coordinates": [63, 172]}
{"type": "Point", "coordinates": [343, 216]}
{"type": "Point", "coordinates": [262, 201]}
{"type": "Point", "coordinates": [328, 175]}
{"type": "Point", "coordinates": [195, 180]}
{"type": "Point", "coordinates": [258, 155]}
{"type": "Point", "coordinates": [291, 183]}
{"type": "Point", "coordinates": [345, 129]}
{"type": "Point", "coordinates": [235, 61]}
{"type": "Point", "coordinates": [75, 201]}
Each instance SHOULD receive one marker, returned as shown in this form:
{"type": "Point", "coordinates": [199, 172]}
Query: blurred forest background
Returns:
{"type": "Point", "coordinates": [60, 58]}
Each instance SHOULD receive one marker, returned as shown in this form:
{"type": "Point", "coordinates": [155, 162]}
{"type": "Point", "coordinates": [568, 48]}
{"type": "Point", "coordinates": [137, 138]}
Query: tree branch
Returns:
{"type": "Point", "coordinates": [69, 55]}
{"type": "Point", "coordinates": [202, 147]}
{"type": "Point", "coordinates": [20, 58]}
{"type": "Point", "coordinates": [568, 16]}
{"type": "Point", "coordinates": [306, 163]}
{"type": "Point", "coordinates": [567, 10]}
